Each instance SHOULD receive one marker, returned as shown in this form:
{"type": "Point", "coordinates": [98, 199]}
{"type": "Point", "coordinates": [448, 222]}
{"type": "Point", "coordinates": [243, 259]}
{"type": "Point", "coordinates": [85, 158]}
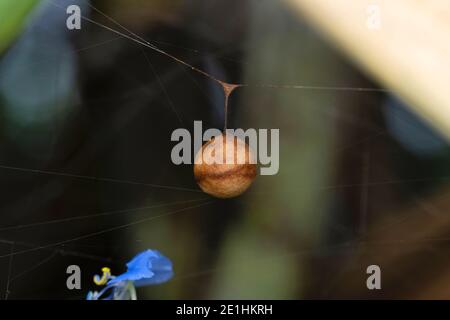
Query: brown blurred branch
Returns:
{"type": "Point", "coordinates": [408, 53]}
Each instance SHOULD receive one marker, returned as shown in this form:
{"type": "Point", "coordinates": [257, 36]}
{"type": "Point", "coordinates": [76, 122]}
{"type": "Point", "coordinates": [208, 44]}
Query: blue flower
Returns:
{"type": "Point", "coordinates": [147, 268]}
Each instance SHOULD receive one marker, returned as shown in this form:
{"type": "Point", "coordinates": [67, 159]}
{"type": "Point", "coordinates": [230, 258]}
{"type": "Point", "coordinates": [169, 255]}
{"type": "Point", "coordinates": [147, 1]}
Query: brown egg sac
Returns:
{"type": "Point", "coordinates": [230, 176]}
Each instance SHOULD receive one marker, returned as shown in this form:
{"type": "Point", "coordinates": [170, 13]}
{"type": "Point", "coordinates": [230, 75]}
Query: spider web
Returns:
{"type": "Point", "coordinates": [59, 248]}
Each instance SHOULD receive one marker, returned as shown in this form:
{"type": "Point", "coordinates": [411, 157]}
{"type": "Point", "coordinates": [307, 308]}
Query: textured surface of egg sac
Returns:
{"type": "Point", "coordinates": [225, 167]}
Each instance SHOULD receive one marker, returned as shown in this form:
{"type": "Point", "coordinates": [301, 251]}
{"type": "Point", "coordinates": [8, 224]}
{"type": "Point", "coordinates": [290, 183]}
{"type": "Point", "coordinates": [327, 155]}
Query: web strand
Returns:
{"type": "Point", "coordinates": [71, 175]}
{"type": "Point", "coordinates": [8, 277]}
{"type": "Point", "coordinates": [102, 214]}
{"type": "Point", "coordinates": [90, 235]}
{"type": "Point", "coordinates": [225, 85]}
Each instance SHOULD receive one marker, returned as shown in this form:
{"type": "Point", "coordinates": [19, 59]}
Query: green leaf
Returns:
{"type": "Point", "coordinates": [13, 15]}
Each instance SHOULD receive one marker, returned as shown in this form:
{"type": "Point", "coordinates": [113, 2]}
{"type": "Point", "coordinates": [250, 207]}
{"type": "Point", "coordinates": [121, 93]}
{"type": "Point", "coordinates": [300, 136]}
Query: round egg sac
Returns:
{"type": "Point", "coordinates": [225, 166]}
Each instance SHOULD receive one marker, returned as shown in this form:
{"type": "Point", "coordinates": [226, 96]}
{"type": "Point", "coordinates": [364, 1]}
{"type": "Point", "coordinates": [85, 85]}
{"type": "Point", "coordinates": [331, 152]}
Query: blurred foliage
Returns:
{"type": "Point", "coordinates": [47, 74]}
{"type": "Point", "coordinates": [13, 14]}
{"type": "Point", "coordinates": [253, 267]}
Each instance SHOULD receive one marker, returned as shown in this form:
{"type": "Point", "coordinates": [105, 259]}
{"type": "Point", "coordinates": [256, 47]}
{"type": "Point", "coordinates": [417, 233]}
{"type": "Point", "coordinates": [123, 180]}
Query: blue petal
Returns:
{"type": "Point", "coordinates": [148, 267]}
{"type": "Point", "coordinates": [91, 296]}
{"type": "Point", "coordinates": [162, 269]}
